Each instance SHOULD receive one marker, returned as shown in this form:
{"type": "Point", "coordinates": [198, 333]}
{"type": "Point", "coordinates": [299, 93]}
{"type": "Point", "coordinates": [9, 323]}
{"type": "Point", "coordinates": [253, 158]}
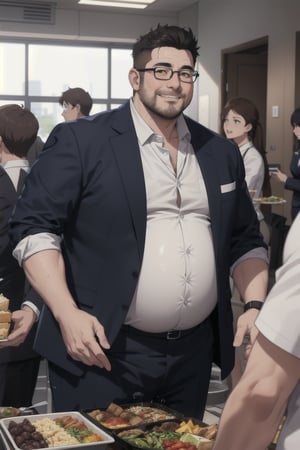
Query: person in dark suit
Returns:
{"type": "Point", "coordinates": [140, 215]}
{"type": "Point", "coordinates": [35, 150]}
{"type": "Point", "coordinates": [292, 183]}
{"type": "Point", "coordinates": [19, 364]}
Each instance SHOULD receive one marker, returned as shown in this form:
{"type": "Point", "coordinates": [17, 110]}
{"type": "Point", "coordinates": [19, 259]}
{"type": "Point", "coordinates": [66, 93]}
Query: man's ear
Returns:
{"type": "Point", "coordinates": [134, 79]}
{"type": "Point", "coordinates": [249, 127]}
{"type": "Point", "coordinates": [78, 110]}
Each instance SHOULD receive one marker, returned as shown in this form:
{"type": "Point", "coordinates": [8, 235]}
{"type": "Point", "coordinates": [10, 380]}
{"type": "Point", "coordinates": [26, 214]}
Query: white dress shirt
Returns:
{"type": "Point", "coordinates": [177, 284]}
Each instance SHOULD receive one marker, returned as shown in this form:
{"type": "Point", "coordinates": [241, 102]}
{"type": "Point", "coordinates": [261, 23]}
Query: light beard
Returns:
{"type": "Point", "coordinates": [168, 111]}
{"type": "Point", "coordinates": [163, 113]}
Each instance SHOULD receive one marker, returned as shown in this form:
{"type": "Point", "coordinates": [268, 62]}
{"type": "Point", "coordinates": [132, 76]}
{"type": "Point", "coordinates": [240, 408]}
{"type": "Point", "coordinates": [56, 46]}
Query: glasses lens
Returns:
{"type": "Point", "coordinates": [187, 76]}
{"type": "Point", "coordinates": [163, 73]}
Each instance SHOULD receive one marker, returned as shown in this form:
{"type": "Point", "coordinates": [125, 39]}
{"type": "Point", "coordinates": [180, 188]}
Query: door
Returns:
{"type": "Point", "coordinates": [245, 75]}
{"type": "Point", "coordinates": [244, 71]}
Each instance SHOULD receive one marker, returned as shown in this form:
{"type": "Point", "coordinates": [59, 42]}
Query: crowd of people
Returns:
{"type": "Point", "coordinates": [128, 230]}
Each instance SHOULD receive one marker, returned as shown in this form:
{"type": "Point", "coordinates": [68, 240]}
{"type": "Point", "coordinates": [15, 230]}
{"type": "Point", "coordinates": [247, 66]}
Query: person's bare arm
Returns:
{"type": "Point", "coordinates": [251, 279]}
{"type": "Point", "coordinates": [83, 334]}
{"type": "Point", "coordinates": [254, 409]}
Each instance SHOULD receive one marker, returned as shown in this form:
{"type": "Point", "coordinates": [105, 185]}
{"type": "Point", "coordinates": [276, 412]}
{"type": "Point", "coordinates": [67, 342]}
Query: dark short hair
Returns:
{"type": "Point", "coordinates": [77, 96]}
{"type": "Point", "coordinates": [164, 36]}
{"type": "Point", "coordinates": [295, 118]}
{"type": "Point", "coordinates": [18, 128]}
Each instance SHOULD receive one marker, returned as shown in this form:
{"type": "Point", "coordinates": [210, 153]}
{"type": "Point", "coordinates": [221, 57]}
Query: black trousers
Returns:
{"type": "Point", "coordinates": [18, 372]}
{"type": "Point", "coordinates": [173, 370]}
{"type": "Point", "coordinates": [17, 382]}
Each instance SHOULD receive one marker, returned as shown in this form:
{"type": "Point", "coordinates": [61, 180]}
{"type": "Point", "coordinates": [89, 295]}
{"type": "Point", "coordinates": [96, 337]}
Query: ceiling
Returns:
{"type": "Point", "coordinates": [159, 6]}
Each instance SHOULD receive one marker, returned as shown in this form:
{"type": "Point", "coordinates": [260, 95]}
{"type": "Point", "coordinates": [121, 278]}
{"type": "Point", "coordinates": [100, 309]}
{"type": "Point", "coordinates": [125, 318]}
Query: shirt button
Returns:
{"type": "Point", "coordinates": [181, 216]}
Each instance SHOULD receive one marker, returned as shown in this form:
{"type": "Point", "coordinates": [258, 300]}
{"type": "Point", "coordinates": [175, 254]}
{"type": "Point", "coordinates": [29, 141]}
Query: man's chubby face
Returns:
{"type": "Point", "coordinates": [163, 98]}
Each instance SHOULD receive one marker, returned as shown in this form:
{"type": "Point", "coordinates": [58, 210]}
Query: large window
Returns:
{"type": "Point", "coordinates": [35, 74]}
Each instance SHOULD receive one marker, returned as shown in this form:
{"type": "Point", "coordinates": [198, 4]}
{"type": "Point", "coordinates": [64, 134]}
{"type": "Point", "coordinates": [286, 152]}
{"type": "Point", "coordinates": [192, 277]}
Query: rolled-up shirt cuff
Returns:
{"type": "Point", "coordinates": [34, 308]}
{"type": "Point", "coordinates": [36, 243]}
{"type": "Point", "coordinates": [259, 252]}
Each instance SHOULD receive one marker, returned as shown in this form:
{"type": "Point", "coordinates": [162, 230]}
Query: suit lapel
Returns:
{"type": "Point", "coordinates": [127, 154]}
{"type": "Point", "coordinates": [202, 140]}
{"type": "Point", "coordinates": [21, 181]}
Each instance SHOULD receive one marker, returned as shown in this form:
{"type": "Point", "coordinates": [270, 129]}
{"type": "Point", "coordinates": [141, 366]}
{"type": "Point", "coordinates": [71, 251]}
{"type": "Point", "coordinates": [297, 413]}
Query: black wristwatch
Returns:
{"type": "Point", "coordinates": [256, 304]}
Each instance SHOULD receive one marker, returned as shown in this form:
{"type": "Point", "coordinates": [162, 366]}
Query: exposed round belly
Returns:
{"type": "Point", "coordinates": [177, 284]}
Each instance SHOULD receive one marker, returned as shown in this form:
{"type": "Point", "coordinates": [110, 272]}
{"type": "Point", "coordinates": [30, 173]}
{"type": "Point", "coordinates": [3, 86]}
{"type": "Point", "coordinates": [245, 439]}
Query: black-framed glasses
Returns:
{"type": "Point", "coordinates": [166, 73]}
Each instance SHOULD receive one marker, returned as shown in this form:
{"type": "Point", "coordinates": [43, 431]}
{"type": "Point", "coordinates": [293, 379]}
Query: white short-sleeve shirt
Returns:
{"type": "Point", "coordinates": [279, 322]}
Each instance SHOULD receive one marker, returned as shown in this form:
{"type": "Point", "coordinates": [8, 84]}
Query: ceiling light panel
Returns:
{"type": "Point", "coordinates": [138, 4]}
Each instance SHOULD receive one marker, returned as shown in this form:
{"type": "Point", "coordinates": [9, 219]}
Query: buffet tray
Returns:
{"type": "Point", "coordinates": [9, 440]}
{"type": "Point", "coordinates": [168, 413]}
{"type": "Point", "coordinates": [156, 431]}
{"type": "Point", "coordinates": [138, 443]}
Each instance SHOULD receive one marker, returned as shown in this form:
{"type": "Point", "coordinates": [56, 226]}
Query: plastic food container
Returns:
{"type": "Point", "coordinates": [105, 437]}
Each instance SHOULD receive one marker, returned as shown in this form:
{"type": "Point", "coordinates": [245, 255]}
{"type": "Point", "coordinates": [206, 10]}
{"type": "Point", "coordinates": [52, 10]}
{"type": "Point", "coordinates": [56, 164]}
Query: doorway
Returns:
{"type": "Point", "coordinates": [244, 74]}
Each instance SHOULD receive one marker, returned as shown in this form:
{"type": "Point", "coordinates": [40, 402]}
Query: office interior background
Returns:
{"type": "Point", "coordinates": [246, 48]}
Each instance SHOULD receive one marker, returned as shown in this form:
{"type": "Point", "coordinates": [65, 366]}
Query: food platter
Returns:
{"type": "Point", "coordinates": [272, 200]}
{"type": "Point", "coordinates": [154, 426]}
{"type": "Point", "coordinates": [131, 415]}
{"type": "Point", "coordinates": [169, 435]}
{"type": "Point", "coordinates": [84, 434]}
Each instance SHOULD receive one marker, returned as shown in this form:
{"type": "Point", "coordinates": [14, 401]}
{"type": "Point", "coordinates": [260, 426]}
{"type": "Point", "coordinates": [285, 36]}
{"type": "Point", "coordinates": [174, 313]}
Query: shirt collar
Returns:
{"type": "Point", "coordinates": [16, 163]}
{"type": "Point", "coordinates": [145, 133]}
{"type": "Point", "coordinates": [243, 148]}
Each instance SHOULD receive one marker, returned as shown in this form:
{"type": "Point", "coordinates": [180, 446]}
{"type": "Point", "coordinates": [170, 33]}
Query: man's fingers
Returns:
{"type": "Point", "coordinates": [239, 337]}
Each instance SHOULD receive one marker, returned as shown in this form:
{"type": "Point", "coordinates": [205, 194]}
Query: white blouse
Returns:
{"type": "Point", "coordinates": [255, 172]}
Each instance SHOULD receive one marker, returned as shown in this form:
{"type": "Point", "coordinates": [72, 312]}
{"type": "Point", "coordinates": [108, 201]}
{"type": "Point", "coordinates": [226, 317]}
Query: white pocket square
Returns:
{"type": "Point", "coordinates": [228, 187]}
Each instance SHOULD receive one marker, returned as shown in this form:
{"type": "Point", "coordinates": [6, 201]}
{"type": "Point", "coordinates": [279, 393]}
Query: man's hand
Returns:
{"type": "Point", "coordinates": [84, 338]}
{"type": "Point", "coordinates": [23, 321]}
{"type": "Point", "coordinates": [246, 328]}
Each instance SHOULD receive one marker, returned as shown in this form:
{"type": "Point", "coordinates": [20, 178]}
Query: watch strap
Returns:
{"type": "Point", "coordinates": [256, 304]}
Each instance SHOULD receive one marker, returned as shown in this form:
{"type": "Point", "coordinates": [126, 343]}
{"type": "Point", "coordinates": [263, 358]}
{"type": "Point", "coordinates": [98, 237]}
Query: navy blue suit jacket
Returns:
{"type": "Point", "coordinates": [12, 278]}
{"type": "Point", "coordinates": [88, 186]}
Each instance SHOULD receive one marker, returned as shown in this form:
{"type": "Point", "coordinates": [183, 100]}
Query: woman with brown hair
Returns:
{"type": "Point", "coordinates": [240, 120]}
